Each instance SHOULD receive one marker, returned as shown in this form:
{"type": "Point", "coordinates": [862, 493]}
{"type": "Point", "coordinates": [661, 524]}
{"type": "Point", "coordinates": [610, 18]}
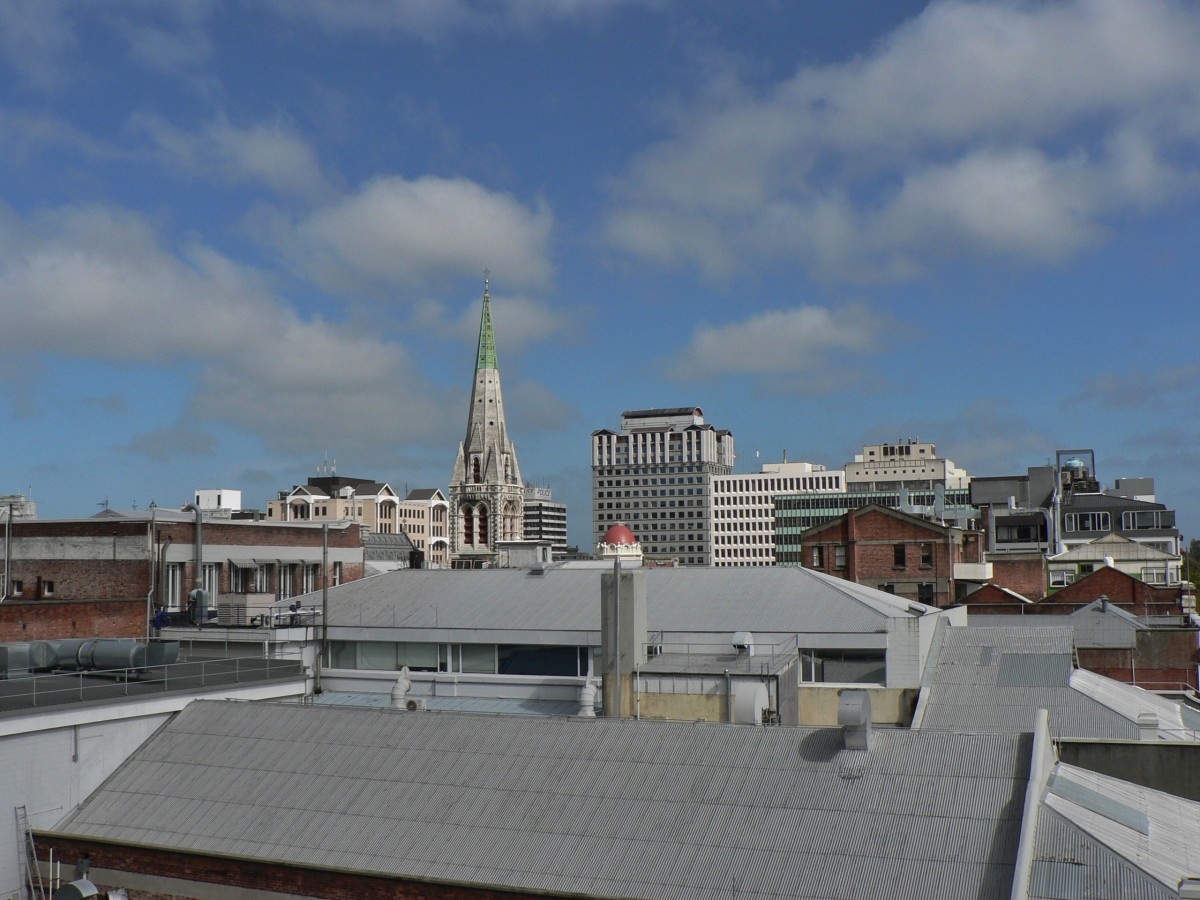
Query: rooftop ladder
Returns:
{"type": "Point", "coordinates": [31, 873]}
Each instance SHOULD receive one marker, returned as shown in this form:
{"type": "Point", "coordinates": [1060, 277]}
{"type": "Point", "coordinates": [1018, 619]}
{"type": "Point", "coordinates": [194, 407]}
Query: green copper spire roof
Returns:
{"type": "Point", "coordinates": [486, 356]}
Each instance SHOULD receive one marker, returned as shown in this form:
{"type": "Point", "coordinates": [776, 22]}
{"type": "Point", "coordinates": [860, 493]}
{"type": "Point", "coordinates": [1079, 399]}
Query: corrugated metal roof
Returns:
{"type": "Point", "coordinates": [995, 679]}
{"type": "Point", "coordinates": [768, 599]}
{"type": "Point", "coordinates": [599, 807]}
{"type": "Point", "coordinates": [1033, 669]}
{"type": "Point", "coordinates": [495, 705]}
{"type": "Point", "coordinates": [1070, 863]}
{"type": "Point", "coordinates": [1167, 848]}
{"type": "Point", "coordinates": [1129, 701]}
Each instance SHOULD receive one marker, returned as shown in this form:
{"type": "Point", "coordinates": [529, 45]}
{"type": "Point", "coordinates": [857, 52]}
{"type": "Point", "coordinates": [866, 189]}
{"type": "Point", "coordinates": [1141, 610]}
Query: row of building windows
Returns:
{"type": "Point", "coordinates": [777, 485]}
{"type": "Point", "coordinates": [477, 659]}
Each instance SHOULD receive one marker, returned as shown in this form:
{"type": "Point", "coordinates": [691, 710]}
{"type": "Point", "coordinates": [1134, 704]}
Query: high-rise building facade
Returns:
{"type": "Point", "coordinates": [546, 519]}
{"type": "Point", "coordinates": [743, 508]}
{"type": "Point", "coordinates": [487, 495]}
{"type": "Point", "coordinates": [655, 475]}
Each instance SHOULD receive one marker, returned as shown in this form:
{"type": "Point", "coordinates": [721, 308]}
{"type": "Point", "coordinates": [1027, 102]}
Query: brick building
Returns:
{"type": "Point", "coordinates": [103, 574]}
{"type": "Point", "coordinates": [899, 553]}
{"type": "Point", "coordinates": [1119, 588]}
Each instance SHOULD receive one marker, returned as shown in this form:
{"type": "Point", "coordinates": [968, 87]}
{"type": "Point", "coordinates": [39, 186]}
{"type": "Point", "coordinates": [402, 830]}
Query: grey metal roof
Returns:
{"type": "Point", "coordinates": [768, 599]}
{"type": "Point", "coordinates": [592, 807]}
{"type": "Point", "coordinates": [1068, 863]}
{"type": "Point", "coordinates": [1116, 546]}
{"type": "Point", "coordinates": [1122, 825]}
{"type": "Point", "coordinates": [996, 679]}
{"type": "Point", "coordinates": [509, 706]}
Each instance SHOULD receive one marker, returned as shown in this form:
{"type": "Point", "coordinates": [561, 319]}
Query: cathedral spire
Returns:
{"type": "Point", "coordinates": [485, 355]}
{"type": "Point", "coordinates": [487, 496]}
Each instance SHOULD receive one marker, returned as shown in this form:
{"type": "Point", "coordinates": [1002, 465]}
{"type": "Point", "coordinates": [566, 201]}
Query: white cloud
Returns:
{"type": "Point", "coordinates": [36, 37]}
{"type": "Point", "coordinates": [396, 231]}
{"type": "Point", "coordinates": [170, 442]}
{"type": "Point", "coordinates": [1010, 130]}
{"type": "Point", "coordinates": [270, 153]}
{"type": "Point", "coordinates": [778, 342]}
{"type": "Point", "coordinates": [97, 283]}
{"type": "Point", "coordinates": [517, 320]}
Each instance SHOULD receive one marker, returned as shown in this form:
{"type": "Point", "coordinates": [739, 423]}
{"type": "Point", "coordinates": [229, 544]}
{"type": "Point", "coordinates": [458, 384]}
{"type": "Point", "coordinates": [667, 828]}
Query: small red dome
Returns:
{"type": "Point", "coordinates": [619, 534]}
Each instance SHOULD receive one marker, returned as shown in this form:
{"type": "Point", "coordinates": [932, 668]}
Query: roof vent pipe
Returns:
{"type": "Point", "coordinates": [197, 593]}
{"type": "Point", "coordinates": [400, 689]}
{"type": "Point", "coordinates": [854, 715]}
{"type": "Point", "coordinates": [743, 642]}
{"type": "Point", "coordinates": [587, 699]}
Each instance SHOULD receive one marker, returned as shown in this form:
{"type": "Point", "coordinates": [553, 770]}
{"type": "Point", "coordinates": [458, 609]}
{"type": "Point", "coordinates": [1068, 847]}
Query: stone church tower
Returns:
{"type": "Point", "coordinates": [487, 496]}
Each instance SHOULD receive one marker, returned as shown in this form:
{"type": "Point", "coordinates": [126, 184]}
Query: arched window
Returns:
{"type": "Point", "coordinates": [475, 470]}
{"type": "Point", "coordinates": [483, 525]}
{"type": "Point", "coordinates": [468, 525]}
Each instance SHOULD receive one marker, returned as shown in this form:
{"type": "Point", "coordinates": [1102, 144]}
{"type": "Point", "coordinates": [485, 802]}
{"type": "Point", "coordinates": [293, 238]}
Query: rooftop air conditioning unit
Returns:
{"type": "Point", "coordinates": [231, 610]}
{"type": "Point", "coordinates": [415, 704]}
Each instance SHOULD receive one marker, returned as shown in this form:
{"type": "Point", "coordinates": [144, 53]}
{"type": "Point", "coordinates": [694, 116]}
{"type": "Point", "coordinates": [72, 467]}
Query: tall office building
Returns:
{"type": "Point", "coordinates": [655, 475]}
{"type": "Point", "coordinates": [743, 526]}
{"type": "Point", "coordinates": [546, 519]}
{"type": "Point", "coordinates": [487, 495]}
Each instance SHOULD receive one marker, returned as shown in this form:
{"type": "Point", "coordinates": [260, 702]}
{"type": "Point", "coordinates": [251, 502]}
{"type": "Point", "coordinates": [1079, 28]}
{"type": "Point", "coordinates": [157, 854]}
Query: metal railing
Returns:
{"type": "Point", "coordinates": [759, 661]}
{"type": "Point", "coordinates": [58, 688]}
{"type": "Point", "coordinates": [230, 614]}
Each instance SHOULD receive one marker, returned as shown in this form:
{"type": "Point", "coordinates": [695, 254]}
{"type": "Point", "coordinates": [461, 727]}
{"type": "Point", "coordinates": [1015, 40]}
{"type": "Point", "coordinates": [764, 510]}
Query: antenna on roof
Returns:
{"type": "Point", "coordinates": [103, 504]}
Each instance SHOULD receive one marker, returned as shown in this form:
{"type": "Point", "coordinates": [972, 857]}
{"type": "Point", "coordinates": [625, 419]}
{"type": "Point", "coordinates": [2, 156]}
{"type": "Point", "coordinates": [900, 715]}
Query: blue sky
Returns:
{"type": "Point", "coordinates": [240, 238]}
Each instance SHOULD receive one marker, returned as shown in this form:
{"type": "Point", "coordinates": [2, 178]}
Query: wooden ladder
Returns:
{"type": "Point", "coordinates": [31, 871]}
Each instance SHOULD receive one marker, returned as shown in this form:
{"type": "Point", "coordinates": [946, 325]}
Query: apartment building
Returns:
{"type": "Point", "coordinates": [330, 497]}
{"type": "Point", "coordinates": [424, 515]}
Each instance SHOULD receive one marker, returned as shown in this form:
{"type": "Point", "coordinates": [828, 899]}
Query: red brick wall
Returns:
{"type": "Point", "coordinates": [237, 873]}
{"type": "Point", "coordinates": [40, 620]}
{"type": "Point", "coordinates": [1128, 592]}
{"type": "Point", "coordinates": [870, 537]}
{"type": "Point", "coordinates": [91, 570]}
{"type": "Point", "coordinates": [1023, 573]}
{"type": "Point", "coordinates": [82, 579]}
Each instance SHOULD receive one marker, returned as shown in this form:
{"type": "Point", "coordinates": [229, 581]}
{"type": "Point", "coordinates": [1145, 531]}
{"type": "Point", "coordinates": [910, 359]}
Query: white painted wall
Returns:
{"type": "Point", "coordinates": [51, 760]}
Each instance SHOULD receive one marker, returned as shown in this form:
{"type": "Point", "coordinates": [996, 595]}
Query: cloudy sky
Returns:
{"type": "Point", "coordinates": [239, 239]}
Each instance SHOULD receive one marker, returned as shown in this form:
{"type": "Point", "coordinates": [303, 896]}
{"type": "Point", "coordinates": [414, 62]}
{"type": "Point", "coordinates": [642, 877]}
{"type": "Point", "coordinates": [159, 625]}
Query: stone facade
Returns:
{"type": "Point", "coordinates": [487, 495]}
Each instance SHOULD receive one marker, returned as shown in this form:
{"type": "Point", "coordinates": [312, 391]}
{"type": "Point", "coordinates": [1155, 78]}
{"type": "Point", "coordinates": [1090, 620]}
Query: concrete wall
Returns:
{"type": "Point", "coordinates": [53, 759]}
{"type": "Point", "coordinates": [50, 772]}
{"type": "Point", "coordinates": [889, 706]}
{"type": "Point", "coordinates": [1170, 766]}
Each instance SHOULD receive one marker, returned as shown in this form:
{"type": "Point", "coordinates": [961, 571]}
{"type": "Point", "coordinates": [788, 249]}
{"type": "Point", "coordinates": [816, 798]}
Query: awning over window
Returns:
{"type": "Point", "coordinates": [243, 563]}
